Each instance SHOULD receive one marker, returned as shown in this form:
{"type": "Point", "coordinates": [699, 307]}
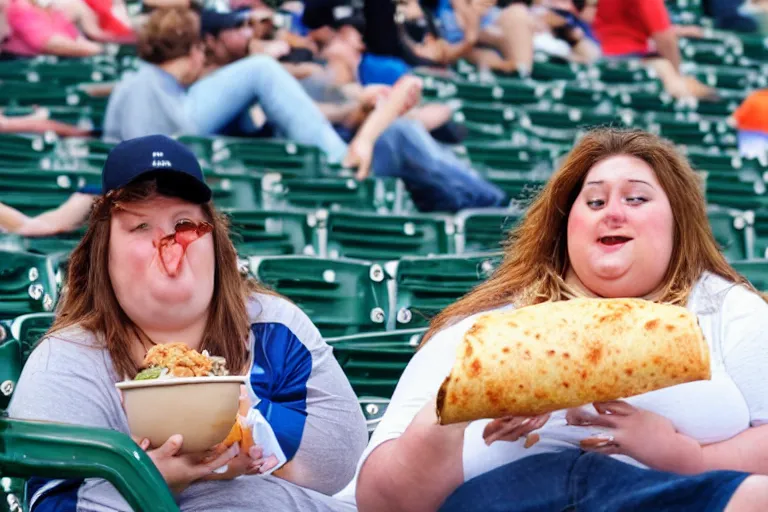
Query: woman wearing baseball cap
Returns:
{"type": "Point", "coordinates": [155, 266]}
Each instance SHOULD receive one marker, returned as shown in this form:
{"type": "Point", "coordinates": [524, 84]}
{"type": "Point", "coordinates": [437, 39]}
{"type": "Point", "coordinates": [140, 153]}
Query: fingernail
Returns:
{"type": "Point", "coordinates": [525, 421]}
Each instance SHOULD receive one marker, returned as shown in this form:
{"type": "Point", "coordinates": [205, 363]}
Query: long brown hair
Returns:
{"type": "Point", "coordinates": [89, 300]}
{"type": "Point", "coordinates": [536, 256]}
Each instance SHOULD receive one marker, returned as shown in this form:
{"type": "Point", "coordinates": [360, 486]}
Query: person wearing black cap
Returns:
{"type": "Point", "coordinates": [156, 266]}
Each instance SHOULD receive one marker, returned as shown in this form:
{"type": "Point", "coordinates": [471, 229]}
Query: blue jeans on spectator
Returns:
{"type": "Point", "coordinates": [435, 177]}
{"type": "Point", "coordinates": [224, 97]}
{"type": "Point", "coordinates": [575, 481]}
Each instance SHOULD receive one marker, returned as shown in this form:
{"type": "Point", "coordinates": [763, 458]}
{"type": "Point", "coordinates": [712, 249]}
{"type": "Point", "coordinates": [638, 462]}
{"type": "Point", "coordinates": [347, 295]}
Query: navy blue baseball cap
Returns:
{"type": "Point", "coordinates": [159, 157]}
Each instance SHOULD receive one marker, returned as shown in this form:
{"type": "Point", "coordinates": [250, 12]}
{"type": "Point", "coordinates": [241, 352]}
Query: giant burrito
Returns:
{"type": "Point", "coordinates": [556, 355]}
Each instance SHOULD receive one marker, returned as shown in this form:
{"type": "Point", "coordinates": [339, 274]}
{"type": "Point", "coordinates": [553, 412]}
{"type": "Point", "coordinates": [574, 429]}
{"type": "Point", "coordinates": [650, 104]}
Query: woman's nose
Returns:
{"type": "Point", "coordinates": [614, 211]}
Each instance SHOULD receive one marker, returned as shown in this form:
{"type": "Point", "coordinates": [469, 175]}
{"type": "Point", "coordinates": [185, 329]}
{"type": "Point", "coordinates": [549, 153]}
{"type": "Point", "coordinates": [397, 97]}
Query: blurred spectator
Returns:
{"type": "Point", "coordinates": [419, 31]}
{"type": "Point", "coordinates": [5, 30]}
{"type": "Point", "coordinates": [505, 39]}
{"type": "Point", "coordinates": [69, 216]}
{"type": "Point", "coordinates": [113, 18]}
{"type": "Point", "coordinates": [631, 29]}
{"type": "Point", "coordinates": [37, 28]}
{"type": "Point", "coordinates": [371, 53]}
{"type": "Point", "coordinates": [751, 121]}
{"type": "Point", "coordinates": [103, 26]}
{"type": "Point", "coordinates": [168, 96]}
{"type": "Point", "coordinates": [38, 122]}
{"type": "Point", "coordinates": [436, 178]}
{"type": "Point", "coordinates": [728, 15]}
{"type": "Point", "coordinates": [563, 20]}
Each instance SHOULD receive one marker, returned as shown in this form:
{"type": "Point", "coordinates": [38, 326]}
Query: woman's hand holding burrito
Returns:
{"type": "Point", "coordinates": [645, 436]}
{"type": "Point", "coordinates": [512, 428]}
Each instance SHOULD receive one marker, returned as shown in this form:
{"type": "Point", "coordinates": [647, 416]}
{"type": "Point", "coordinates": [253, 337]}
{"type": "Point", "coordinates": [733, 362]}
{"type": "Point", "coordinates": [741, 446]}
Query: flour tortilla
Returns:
{"type": "Point", "coordinates": [557, 355]}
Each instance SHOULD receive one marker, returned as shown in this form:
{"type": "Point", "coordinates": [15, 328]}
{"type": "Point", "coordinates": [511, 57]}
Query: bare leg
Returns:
{"type": "Point", "coordinates": [405, 95]}
{"type": "Point", "coordinates": [485, 58]}
{"type": "Point", "coordinates": [513, 37]}
{"type": "Point", "coordinates": [750, 496]}
{"type": "Point", "coordinates": [586, 51]}
{"type": "Point", "coordinates": [432, 115]}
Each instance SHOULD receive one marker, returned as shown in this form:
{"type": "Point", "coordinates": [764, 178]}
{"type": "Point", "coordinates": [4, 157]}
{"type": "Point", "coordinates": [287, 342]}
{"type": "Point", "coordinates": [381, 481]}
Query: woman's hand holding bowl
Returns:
{"type": "Point", "coordinates": [179, 471]}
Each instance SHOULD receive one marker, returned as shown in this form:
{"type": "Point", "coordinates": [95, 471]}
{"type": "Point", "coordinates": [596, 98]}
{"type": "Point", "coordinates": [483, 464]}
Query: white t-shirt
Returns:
{"type": "Point", "coordinates": [735, 324]}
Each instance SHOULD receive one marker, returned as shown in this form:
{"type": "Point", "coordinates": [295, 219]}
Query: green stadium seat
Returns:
{"type": "Point", "coordinates": [54, 450]}
{"type": "Point", "coordinates": [579, 95]}
{"type": "Point", "coordinates": [373, 410]}
{"type": "Point", "coordinates": [29, 329]}
{"type": "Point", "coordinates": [273, 233]}
{"type": "Point", "coordinates": [234, 189]}
{"type": "Point", "coordinates": [425, 286]}
{"type": "Point", "coordinates": [34, 191]}
{"type": "Point", "coordinates": [485, 229]}
{"type": "Point", "coordinates": [28, 283]}
{"type": "Point", "coordinates": [508, 156]}
{"type": "Point", "coordinates": [288, 158]}
{"type": "Point", "coordinates": [616, 72]}
{"type": "Point", "coordinates": [486, 113]}
{"type": "Point", "coordinates": [756, 272]}
{"type": "Point", "coordinates": [374, 362]}
{"type": "Point", "coordinates": [508, 91]}
{"type": "Point", "coordinates": [734, 232]}
{"type": "Point", "coordinates": [341, 296]}
{"type": "Point", "coordinates": [385, 237]}
{"type": "Point", "coordinates": [548, 70]}
{"type": "Point", "coordinates": [761, 234]}
{"type": "Point", "coordinates": [371, 194]}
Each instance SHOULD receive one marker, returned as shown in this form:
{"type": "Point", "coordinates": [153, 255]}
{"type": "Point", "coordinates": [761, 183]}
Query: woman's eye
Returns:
{"type": "Point", "coordinates": [141, 227]}
{"type": "Point", "coordinates": [636, 200]}
{"type": "Point", "coordinates": [595, 203]}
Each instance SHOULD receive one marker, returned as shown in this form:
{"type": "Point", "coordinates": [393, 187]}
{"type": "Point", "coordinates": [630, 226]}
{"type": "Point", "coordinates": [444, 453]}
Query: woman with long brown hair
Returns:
{"type": "Point", "coordinates": [623, 217]}
{"type": "Point", "coordinates": [156, 266]}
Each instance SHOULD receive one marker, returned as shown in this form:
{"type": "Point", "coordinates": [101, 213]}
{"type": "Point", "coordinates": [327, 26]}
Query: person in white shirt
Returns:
{"type": "Point", "coordinates": [623, 217]}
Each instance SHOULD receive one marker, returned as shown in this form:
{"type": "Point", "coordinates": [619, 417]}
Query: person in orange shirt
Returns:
{"type": "Point", "coordinates": [751, 121]}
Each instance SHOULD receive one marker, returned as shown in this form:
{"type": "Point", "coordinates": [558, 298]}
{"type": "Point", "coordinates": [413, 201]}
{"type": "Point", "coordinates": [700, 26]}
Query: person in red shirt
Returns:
{"type": "Point", "coordinates": [642, 29]}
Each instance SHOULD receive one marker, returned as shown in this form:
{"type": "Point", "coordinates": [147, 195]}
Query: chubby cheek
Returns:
{"type": "Point", "coordinates": [655, 229]}
{"type": "Point", "coordinates": [131, 260]}
{"type": "Point", "coordinates": [580, 230]}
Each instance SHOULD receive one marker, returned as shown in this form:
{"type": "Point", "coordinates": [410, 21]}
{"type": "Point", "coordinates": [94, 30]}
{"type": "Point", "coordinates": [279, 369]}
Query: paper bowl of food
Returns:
{"type": "Point", "coordinates": [181, 391]}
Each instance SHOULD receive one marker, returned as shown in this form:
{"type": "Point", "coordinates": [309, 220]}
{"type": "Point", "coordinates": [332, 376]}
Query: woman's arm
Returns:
{"type": "Point", "coordinates": [306, 399]}
{"type": "Point", "coordinates": [743, 335]}
{"type": "Point", "coordinates": [68, 217]}
{"type": "Point", "coordinates": [11, 218]}
{"type": "Point", "coordinates": [747, 452]}
{"type": "Point", "coordinates": [415, 472]}
{"type": "Point", "coordinates": [65, 47]}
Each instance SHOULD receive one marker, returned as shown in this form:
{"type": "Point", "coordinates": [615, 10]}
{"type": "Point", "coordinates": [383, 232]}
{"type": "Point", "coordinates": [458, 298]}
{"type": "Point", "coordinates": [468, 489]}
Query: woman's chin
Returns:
{"type": "Point", "coordinates": [172, 295]}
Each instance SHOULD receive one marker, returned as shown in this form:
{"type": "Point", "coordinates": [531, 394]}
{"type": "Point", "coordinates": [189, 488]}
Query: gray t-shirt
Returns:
{"type": "Point", "coordinates": [146, 102]}
{"type": "Point", "coordinates": [302, 390]}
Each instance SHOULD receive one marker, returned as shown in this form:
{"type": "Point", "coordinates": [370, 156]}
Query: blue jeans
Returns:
{"type": "Point", "coordinates": [574, 481]}
{"type": "Point", "coordinates": [436, 179]}
{"type": "Point", "coordinates": [225, 96]}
